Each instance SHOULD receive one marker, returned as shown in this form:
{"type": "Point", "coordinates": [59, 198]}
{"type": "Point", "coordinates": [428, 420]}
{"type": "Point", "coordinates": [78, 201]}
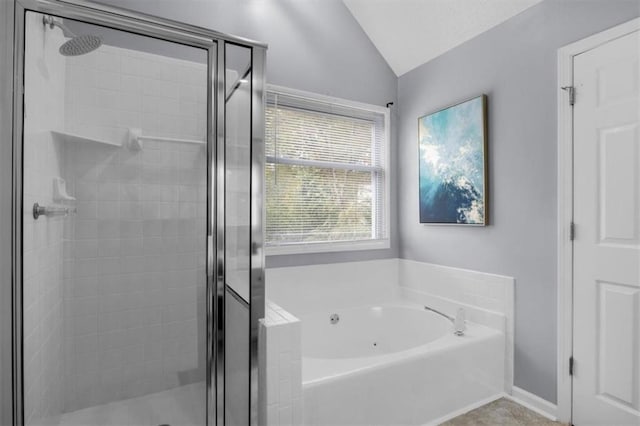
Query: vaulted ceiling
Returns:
{"type": "Point", "coordinates": [409, 33]}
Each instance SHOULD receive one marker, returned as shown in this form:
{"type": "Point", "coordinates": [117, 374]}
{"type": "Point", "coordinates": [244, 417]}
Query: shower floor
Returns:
{"type": "Point", "coordinates": [182, 406]}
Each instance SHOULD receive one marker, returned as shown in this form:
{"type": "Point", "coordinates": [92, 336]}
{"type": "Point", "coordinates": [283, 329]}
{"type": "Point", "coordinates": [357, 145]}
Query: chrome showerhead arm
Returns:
{"type": "Point", "coordinates": [53, 22]}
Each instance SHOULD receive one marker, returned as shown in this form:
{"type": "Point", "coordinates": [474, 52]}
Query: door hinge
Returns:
{"type": "Point", "coordinates": [571, 366]}
{"type": "Point", "coordinates": [572, 231]}
{"type": "Point", "coordinates": [572, 94]}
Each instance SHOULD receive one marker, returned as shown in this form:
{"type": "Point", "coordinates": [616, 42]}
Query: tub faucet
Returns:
{"type": "Point", "coordinates": [459, 325]}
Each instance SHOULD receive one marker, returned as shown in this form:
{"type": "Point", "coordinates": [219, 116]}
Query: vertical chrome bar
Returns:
{"type": "Point", "coordinates": [219, 307]}
{"type": "Point", "coordinates": [17, 201]}
{"type": "Point", "coordinates": [211, 233]}
{"type": "Point", "coordinates": [257, 284]}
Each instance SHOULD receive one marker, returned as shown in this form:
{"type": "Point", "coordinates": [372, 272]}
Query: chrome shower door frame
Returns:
{"type": "Point", "coordinates": [213, 42]}
{"type": "Point", "coordinates": [257, 261]}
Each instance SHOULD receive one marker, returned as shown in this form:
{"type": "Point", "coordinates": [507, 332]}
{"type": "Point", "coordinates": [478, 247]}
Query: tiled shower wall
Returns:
{"type": "Point", "coordinates": [135, 252]}
{"type": "Point", "coordinates": [42, 238]}
{"type": "Point", "coordinates": [113, 89]}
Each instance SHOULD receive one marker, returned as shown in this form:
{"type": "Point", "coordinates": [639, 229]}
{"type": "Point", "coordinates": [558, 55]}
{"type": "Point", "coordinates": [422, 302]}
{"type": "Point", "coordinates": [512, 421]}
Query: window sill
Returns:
{"type": "Point", "coordinates": [327, 247]}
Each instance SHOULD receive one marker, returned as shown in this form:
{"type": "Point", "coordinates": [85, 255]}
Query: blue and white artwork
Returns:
{"type": "Point", "coordinates": [452, 164]}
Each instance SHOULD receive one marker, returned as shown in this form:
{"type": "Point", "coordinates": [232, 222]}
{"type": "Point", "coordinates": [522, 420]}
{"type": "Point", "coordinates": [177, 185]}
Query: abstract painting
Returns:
{"type": "Point", "coordinates": [453, 163]}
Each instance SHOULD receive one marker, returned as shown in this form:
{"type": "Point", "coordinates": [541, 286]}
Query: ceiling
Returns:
{"type": "Point", "coordinates": [409, 33]}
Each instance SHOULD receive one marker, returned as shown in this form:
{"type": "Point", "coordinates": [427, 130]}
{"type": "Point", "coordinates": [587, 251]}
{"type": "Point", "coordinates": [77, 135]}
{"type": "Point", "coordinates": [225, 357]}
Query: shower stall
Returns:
{"type": "Point", "coordinates": [138, 269]}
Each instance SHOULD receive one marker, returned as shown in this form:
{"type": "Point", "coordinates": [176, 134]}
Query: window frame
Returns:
{"type": "Point", "coordinates": [341, 246]}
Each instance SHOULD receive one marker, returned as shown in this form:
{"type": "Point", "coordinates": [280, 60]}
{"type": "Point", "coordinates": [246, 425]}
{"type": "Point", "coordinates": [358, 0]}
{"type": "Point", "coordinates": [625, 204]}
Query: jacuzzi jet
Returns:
{"type": "Point", "coordinates": [334, 319]}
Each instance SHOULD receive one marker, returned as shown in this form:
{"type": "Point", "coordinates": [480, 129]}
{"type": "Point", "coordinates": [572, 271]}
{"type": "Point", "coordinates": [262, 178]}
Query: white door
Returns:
{"type": "Point", "coordinates": [606, 382]}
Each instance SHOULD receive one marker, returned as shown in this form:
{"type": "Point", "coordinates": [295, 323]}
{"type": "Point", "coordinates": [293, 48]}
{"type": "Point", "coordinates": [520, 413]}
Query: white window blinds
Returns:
{"type": "Point", "coordinates": [325, 172]}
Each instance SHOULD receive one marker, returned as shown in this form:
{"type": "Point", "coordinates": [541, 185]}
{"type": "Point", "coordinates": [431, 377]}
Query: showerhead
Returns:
{"type": "Point", "coordinates": [77, 45]}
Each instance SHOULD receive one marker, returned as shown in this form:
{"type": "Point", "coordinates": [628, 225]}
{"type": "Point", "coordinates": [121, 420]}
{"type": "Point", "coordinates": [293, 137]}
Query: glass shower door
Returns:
{"type": "Point", "coordinates": [116, 152]}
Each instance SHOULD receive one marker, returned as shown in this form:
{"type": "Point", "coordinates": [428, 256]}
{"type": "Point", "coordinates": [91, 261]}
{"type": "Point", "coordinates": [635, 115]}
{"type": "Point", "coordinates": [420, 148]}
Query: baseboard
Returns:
{"type": "Point", "coordinates": [534, 403]}
{"type": "Point", "coordinates": [464, 410]}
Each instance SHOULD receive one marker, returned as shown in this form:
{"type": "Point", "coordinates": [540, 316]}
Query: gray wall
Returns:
{"type": "Point", "coordinates": [515, 65]}
{"type": "Point", "coordinates": [314, 45]}
{"type": "Point", "coordinates": [6, 38]}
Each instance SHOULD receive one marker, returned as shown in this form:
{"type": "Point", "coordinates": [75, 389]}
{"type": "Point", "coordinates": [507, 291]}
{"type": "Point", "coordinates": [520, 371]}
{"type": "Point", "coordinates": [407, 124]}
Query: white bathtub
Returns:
{"type": "Point", "coordinates": [395, 364]}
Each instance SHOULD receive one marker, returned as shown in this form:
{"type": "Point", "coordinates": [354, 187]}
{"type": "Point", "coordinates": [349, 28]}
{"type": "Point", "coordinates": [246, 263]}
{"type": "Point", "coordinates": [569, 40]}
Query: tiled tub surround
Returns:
{"type": "Point", "coordinates": [429, 382]}
{"type": "Point", "coordinates": [280, 367]}
{"type": "Point", "coordinates": [135, 251]}
{"type": "Point", "coordinates": [488, 299]}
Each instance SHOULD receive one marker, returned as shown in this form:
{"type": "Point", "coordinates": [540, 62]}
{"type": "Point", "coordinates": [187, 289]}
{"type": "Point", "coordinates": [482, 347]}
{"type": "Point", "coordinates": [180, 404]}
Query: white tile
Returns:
{"type": "Point", "coordinates": [130, 229]}
{"type": "Point", "coordinates": [86, 343]}
{"type": "Point", "coordinates": [109, 266]}
{"type": "Point", "coordinates": [284, 366]}
{"type": "Point", "coordinates": [83, 287]}
{"type": "Point", "coordinates": [131, 246]}
{"type": "Point", "coordinates": [85, 268]}
{"type": "Point", "coordinates": [130, 66]}
{"type": "Point", "coordinates": [86, 229]}
{"type": "Point", "coordinates": [296, 378]}
{"type": "Point", "coordinates": [297, 411]}
{"type": "Point", "coordinates": [105, 80]}
{"type": "Point", "coordinates": [108, 210]}
{"type": "Point", "coordinates": [285, 417]}
{"type": "Point", "coordinates": [188, 93]}
{"type": "Point", "coordinates": [150, 102]}
{"type": "Point", "coordinates": [86, 209]}
{"type": "Point", "coordinates": [130, 101]}
{"type": "Point", "coordinates": [273, 415]}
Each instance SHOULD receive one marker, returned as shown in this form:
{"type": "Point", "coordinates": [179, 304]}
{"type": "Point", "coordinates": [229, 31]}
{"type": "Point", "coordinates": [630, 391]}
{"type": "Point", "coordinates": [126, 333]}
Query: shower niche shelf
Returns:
{"type": "Point", "coordinates": [72, 137]}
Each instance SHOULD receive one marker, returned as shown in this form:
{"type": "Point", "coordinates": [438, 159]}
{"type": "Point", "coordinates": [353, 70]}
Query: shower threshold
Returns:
{"type": "Point", "coordinates": [183, 406]}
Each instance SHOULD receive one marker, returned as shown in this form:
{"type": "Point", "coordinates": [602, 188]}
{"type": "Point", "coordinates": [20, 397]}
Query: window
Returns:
{"type": "Point", "coordinates": [326, 174]}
